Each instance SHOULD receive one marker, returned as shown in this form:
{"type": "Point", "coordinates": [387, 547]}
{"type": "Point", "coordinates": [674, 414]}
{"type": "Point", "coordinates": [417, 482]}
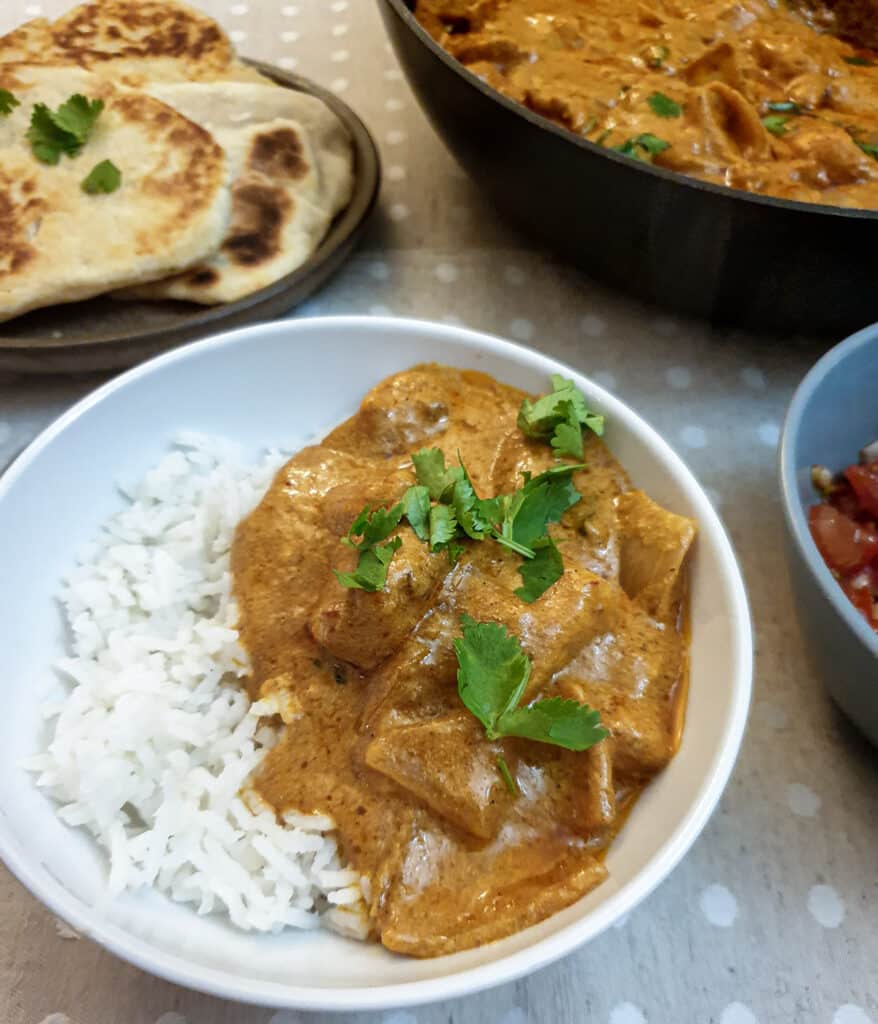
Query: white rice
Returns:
{"type": "Point", "coordinates": [152, 745]}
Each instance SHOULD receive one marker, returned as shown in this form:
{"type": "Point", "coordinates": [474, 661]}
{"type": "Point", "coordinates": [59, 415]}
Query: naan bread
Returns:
{"type": "Point", "coordinates": [292, 172]}
{"type": "Point", "coordinates": [57, 243]}
{"type": "Point", "coordinates": [135, 40]}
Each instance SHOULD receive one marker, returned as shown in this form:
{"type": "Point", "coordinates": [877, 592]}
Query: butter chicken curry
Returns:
{"type": "Point", "coordinates": [388, 660]}
{"type": "Point", "coordinates": [758, 95]}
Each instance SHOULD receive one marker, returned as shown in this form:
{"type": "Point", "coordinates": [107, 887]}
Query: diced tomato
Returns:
{"type": "Point", "coordinates": [864, 480]}
{"type": "Point", "coordinates": [845, 545]}
{"type": "Point", "coordinates": [861, 598]}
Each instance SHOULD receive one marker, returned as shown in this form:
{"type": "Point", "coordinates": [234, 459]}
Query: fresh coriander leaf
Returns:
{"type": "Point", "coordinates": [432, 473]}
{"type": "Point", "coordinates": [416, 508]}
{"type": "Point", "coordinates": [663, 105]}
{"type": "Point", "coordinates": [492, 676]}
{"type": "Point", "coordinates": [776, 124]}
{"type": "Point", "coordinates": [8, 102]}
{"type": "Point", "coordinates": [869, 148]}
{"type": "Point", "coordinates": [564, 406]}
{"type": "Point", "coordinates": [784, 107]}
{"type": "Point", "coordinates": [643, 147]}
{"type": "Point", "coordinates": [564, 723]}
{"type": "Point", "coordinates": [508, 542]}
{"type": "Point", "coordinates": [467, 510]}
{"type": "Point", "coordinates": [567, 439]}
{"type": "Point", "coordinates": [443, 526]}
{"type": "Point", "coordinates": [860, 62]}
{"type": "Point", "coordinates": [506, 775]}
{"type": "Point", "coordinates": [492, 671]}
{"type": "Point", "coordinates": [371, 571]}
{"type": "Point", "coordinates": [656, 56]}
{"type": "Point", "coordinates": [454, 552]}
{"type": "Point", "coordinates": [77, 116]}
{"type": "Point", "coordinates": [541, 571]}
{"type": "Point", "coordinates": [374, 526]}
{"type": "Point", "coordinates": [103, 177]}
{"type": "Point", "coordinates": [541, 501]}
{"type": "Point", "coordinates": [46, 139]}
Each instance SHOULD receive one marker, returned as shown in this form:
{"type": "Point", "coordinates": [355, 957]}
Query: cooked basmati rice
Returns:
{"type": "Point", "coordinates": [154, 742]}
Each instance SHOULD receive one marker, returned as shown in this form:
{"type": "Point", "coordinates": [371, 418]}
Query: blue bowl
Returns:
{"type": "Point", "coordinates": [833, 414]}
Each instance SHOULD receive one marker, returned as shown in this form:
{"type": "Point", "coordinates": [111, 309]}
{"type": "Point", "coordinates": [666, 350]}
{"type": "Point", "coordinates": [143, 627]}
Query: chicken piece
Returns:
{"type": "Point", "coordinates": [654, 546]}
{"type": "Point", "coordinates": [718, 64]}
{"type": "Point", "coordinates": [365, 628]}
{"type": "Point", "coordinates": [732, 127]}
{"type": "Point", "coordinates": [447, 763]}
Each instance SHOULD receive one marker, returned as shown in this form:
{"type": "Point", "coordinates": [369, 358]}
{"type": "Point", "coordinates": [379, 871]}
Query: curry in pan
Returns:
{"type": "Point", "coordinates": [474, 630]}
{"type": "Point", "coordinates": [760, 95]}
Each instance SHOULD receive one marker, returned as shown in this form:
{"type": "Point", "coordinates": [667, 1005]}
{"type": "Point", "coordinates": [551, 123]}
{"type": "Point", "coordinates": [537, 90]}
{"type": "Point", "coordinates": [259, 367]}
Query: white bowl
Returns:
{"type": "Point", "coordinates": [279, 384]}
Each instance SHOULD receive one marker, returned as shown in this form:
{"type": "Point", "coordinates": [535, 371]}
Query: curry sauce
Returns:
{"type": "Point", "coordinates": [376, 736]}
{"type": "Point", "coordinates": [753, 94]}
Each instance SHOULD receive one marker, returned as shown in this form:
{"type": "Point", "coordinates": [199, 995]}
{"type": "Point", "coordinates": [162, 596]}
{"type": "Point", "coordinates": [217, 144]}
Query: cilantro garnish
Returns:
{"type": "Point", "coordinates": [432, 473]}
{"type": "Point", "coordinates": [860, 62]}
{"type": "Point", "coordinates": [540, 572]}
{"type": "Point", "coordinates": [506, 775]}
{"type": "Point", "coordinates": [776, 124]}
{"type": "Point", "coordinates": [559, 417]}
{"type": "Point", "coordinates": [416, 508]}
{"type": "Point", "coordinates": [8, 102]}
{"type": "Point", "coordinates": [643, 147]}
{"type": "Point", "coordinates": [65, 130]}
{"type": "Point", "coordinates": [663, 105]}
{"type": "Point", "coordinates": [784, 107]}
{"type": "Point", "coordinates": [869, 148]}
{"type": "Point", "coordinates": [491, 679]}
{"type": "Point", "coordinates": [372, 527]}
{"type": "Point", "coordinates": [103, 177]}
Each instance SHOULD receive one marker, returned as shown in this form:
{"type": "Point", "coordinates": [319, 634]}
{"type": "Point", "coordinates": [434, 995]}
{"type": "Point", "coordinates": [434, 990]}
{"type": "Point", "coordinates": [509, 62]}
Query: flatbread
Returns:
{"type": "Point", "coordinates": [59, 244]}
{"type": "Point", "coordinates": [136, 40]}
{"type": "Point", "coordinates": [291, 176]}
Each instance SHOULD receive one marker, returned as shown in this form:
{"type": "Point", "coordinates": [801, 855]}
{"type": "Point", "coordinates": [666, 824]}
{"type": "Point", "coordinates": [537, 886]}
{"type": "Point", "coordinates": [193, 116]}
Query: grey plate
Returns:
{"type": "Point", "coordinates": [833, 414]}
{"type": "Point", "coordinates": [106, 334]}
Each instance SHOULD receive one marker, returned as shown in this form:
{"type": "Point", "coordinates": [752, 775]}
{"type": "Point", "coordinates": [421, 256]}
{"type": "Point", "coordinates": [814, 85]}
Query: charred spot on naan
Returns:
{"type": "Point", "coordinates": [20, 215]}
{"type": "Point", "coordinates": [201, 277]}
{"type": "Point", "coordinates": [279, 154]}
{"type": "Point", "coordinates": [258, 215]}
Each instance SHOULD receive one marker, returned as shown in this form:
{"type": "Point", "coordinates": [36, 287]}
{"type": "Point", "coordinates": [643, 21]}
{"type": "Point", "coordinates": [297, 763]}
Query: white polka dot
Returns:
{"type": "Point", "coordinates": [239, 9]}
{"type": "Point", "coordinates": [171, 1018]}
{"type": "Point", "coordinates": [5, 432]}
{"type": "Point", "coordinates": [393, 104]}
{"type": "Point", "coordinates": [289, 37]}
{"type": "Point", "coordinates": [289, 11]}
{"type": "Point", "coordinates": [392, 74]}
{"type": "Point", "coordinates": [772, 715]}
{"type": "Point", "coordinates": [627, 1013]}
{"type": "Point", "coordinates": [396, 172]}
{"type": "Point", "coordinates": [380, 311]}
{"type": "Point", "coordinates": [719, 906]}
{"type": "Point", "coordinates": [288, 63]}
{"type": "Point", "coordinates": [826, 906]}
{"type": "Point", "coordinates": [738, 1013]}
{"type": "Point", "coordinates": [693, 437]}
{"type": "Point", "coordinates": [769, 434]}
{"type": "Point", "coordinates": [64, 931]}
{"type": "Point", "coordinates": [56, 1018]}
{"type": "Point", "coordinates": [605, 379]}
{"type": "Point", "coordinates": [593, 325]}
{"type": "Point", "coordinates": [521, 329]}
{"type": "Point", "coordinates": [514, 1016]}
{"type": "Point", "coordinates": [446, 272]}
{"type": "Point", "coordinates": [339, 6]}
{"type": "Point", "coordinates": [237, 35]}
{"type": "Point", "coordinates": [339, 30]}
{"type": "Point", "coordinates": [666, 326]}
{"type": "Point", "coordinates": [514, 276]}
{"type": "Point", "coordinates": [850, 1014]}
{"type": "Point", "coordinates": [400, 1017]}
{"type": "Point", "coordinates": [33, 10]}
{"type": "Point", "coordinates": [753, 378]}
{"type": "Point", "coordinates": [399, 211]}
{"type": "Point", "coordinates": [339, 56]}
{"type": "Point", "coordinates": [803, 800]}
{"type": "Point", "coordinates": [679, 377]}
{"type": "Point", "coordinates": [394, 137]}
{"type": "Point", "coordinates": [339, 85]}
{"type": "Point", "coordinates": [379, 270]}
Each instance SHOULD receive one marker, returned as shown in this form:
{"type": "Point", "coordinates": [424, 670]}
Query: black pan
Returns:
{"type": "Point", "coordinates": [715, 252]}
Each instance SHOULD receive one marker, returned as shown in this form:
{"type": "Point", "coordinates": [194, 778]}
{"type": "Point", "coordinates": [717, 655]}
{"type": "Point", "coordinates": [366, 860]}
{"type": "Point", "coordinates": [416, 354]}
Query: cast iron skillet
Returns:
{"type": "Point", "coordinates": [716, 252]}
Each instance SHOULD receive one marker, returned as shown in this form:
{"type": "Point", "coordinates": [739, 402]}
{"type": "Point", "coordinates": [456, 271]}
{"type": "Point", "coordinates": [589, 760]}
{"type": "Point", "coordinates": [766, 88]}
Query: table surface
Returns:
{"type": "Point", "coordinates": [771, 918]}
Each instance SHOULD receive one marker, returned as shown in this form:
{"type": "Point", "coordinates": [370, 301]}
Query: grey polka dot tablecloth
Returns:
{"type": "Point", "coordinates": [771, 918]}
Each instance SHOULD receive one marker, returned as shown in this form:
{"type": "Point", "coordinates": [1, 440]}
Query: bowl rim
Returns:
{"type": "Point", "coordinates": [175, 968]}
{"type": "Point", "coordinates": [405, 14]}
{"type": "Point", "coordinates": [341, 232]}
{"type": "Point", "coordinates": [794, 512]}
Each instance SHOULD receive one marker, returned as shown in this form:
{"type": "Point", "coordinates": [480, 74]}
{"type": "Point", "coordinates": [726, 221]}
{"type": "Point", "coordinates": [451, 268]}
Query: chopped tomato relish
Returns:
{"type": "Point", "coordinates": [845, 529]}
